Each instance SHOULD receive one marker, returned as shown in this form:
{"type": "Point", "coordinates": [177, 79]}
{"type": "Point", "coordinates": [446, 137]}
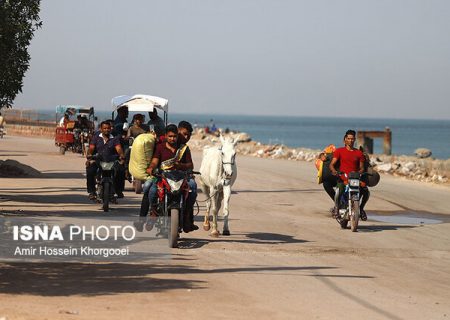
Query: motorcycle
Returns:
{"type": "Point", "coordinates": [173, 191]}
{"type": "Point", "coordinates": [105, 183]}
{"type": "Point", "coordinates": [349, 201]}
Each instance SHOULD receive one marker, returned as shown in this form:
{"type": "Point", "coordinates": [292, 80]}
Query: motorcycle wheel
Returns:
{"type": "Point", "coordinates": [174, 224]}
{"type": "Point", "coordinates": [106, 190]}
{"type": "Point", "coordinates": [343, 223]}
{"type": "Point", "coordinates": [62, 150]}
{"type": "Point", "coordinates": [354, 219]}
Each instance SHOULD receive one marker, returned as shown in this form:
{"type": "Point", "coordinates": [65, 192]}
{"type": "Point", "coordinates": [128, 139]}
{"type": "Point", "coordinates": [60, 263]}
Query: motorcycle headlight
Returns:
{"type": "Point", "coordinates": [354, 182]}
{"type": "Point", "coordinates": [107, 166]}
{"type": "Point", "coordinates": [175, 185]}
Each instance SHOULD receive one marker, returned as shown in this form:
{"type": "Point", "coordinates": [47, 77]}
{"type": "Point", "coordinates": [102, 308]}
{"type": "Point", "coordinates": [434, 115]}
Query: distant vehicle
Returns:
{"type": "Point", "coordinates": [69, 133]}
{"type": "Point", "coordinates": [139, 103]}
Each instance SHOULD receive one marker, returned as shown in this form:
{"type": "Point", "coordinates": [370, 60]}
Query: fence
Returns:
{"type": "Point", "coordinates": [28, 123]}
{"type": "Point", "coordinates": [28, 117]}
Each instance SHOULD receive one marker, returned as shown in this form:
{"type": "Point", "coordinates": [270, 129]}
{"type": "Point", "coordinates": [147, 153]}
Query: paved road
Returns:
{"type": "Point", "coordinates": [286, 258]}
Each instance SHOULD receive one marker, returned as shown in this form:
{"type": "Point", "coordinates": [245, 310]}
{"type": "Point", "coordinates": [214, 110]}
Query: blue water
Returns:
{"type": "Point", "coordinates": [318, 132]}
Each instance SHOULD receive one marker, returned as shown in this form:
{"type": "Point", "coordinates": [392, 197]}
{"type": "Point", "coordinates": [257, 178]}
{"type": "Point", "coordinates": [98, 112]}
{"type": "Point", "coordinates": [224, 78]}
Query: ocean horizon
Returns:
{"type": "Point", "coordinates": [318, 132]}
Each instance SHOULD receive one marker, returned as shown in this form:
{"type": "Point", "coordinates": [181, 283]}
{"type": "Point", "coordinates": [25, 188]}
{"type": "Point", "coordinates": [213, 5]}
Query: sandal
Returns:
{"type": "Point", "coordinates": [363, 215]}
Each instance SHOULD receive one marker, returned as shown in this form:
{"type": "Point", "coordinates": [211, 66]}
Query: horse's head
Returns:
{"type": "Point", "coordinates": [228, 155]}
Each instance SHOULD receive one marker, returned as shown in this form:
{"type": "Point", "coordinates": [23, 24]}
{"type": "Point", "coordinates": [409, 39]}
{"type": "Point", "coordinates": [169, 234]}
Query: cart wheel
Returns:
{"type": "Point", "coordinates": [62, 150]}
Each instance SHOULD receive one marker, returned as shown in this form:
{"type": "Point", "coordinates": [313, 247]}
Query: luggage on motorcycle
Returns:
{"type": "Point", "coordinates": [373, 177]}
{"type": "Point", "coordinates": [141, 155]}
{"type": "Point", "coordinates": [168, 164]}
{"type": "Point", "coordinates": [323, 162]}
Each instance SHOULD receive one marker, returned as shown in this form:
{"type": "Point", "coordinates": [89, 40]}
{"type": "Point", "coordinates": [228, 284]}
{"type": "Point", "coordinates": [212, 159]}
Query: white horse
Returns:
{"type": "Point", "coordinates": [218, 173]}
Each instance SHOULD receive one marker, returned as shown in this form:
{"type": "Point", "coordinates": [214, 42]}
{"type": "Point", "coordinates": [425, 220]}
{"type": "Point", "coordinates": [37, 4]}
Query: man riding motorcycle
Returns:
{"type": "Point", "coordinates": [170, 156]}
{"type": "Point", "coordinates": [184, 135]}
{"type": "Point", "coordinates": [350, 160]}
{"type": "Point", "coordinates": [109, 149]}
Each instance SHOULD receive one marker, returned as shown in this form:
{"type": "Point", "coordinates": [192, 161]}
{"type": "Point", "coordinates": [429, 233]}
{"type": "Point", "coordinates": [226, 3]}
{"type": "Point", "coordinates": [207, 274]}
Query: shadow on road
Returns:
{"type": "Point", "coordinates": [62, 175]}
{"type": "Point", "coordinates": [66, 279]}
{"type": "Point", "coordinates": [278, 191]}
{"type": "Point", "coordinates": [35, 190]}
{"type": "Point", "coordinates": [252, 238]}
{"type": "Point", "coordinates": [378, 228]}
{"type": "Point", "coordinates": [42, 196]}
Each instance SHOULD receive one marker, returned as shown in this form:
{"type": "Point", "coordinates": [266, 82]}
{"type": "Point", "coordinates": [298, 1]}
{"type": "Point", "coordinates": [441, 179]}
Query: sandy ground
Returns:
{"type": "Point", "coordinates": [285, 259]}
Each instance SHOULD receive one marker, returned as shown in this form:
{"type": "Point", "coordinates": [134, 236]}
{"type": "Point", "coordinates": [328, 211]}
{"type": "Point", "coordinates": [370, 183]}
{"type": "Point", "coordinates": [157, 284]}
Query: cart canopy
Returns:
{"type": "Point", "coordinates": [74, 109]}
{"type": "Point", "coordinates": [140, 102]}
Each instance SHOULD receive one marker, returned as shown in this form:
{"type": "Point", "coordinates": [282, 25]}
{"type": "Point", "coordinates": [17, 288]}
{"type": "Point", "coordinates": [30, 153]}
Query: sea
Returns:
{"type": "Point", "coordinates": [318, 132]}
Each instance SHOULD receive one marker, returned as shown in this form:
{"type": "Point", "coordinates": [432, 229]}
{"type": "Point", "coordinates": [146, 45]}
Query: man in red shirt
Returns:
{"type": "Point", "coordinates": [350, 160]}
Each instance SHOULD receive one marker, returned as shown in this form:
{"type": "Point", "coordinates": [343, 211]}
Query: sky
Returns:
{"type": "Point", "coordinates": [347, 58]}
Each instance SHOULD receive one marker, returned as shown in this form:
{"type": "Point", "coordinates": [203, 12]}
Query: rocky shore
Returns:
{"type": "Point", "coordinates": [410, 167]}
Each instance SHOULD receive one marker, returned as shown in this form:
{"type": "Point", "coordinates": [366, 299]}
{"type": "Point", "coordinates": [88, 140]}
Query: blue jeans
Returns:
{"type": "Point", "coordinates": [193, 194]}
{"type": "Point", "coordinates": [149, 190]}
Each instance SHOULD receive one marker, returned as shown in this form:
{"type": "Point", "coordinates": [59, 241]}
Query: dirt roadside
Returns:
{"type": "Point", "coordinates": [286, 258]}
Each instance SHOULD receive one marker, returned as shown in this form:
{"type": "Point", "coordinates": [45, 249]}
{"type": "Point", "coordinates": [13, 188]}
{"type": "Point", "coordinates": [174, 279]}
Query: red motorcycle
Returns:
{"type": "Point", "coordinates": [173, 191]}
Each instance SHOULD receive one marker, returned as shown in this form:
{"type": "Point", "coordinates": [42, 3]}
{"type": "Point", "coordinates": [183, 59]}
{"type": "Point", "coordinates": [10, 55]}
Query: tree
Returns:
{"type": "Point", "coordinates": [18, 21]}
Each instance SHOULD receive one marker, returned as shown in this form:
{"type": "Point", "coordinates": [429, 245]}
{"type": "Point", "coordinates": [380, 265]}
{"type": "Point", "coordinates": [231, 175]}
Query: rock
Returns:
{"type": "Point", "coordinates": [241, 137]}
{"type": "Point", "coordinates": [72, 312]}
{"type": "Point", "coordinates": [386, 167]}
{"type": "Point", "coordinates": [12, 169]}
{"type": "Point", "coordinates": [269, 148]}
{"type": "Point", "coordinates": [409, 165]}
{"type": "Point", "coordinates": [278, 152]}
{"type": "Point", "coordinates": [405, 171]}
{"type": "Point", "coordinates": [422, 153]}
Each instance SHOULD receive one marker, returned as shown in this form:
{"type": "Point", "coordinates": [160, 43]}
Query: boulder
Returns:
{"type": "Point", "coordinates": [422, 153]}
{"type": "Point", "coordinates": [409, 165]}
{"type": "Point", "coordinates": [12, 169]}
{"type": "Point", "coordinates": [241, 137]}
{"type": "Point", "coordinates": [386, 167]}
